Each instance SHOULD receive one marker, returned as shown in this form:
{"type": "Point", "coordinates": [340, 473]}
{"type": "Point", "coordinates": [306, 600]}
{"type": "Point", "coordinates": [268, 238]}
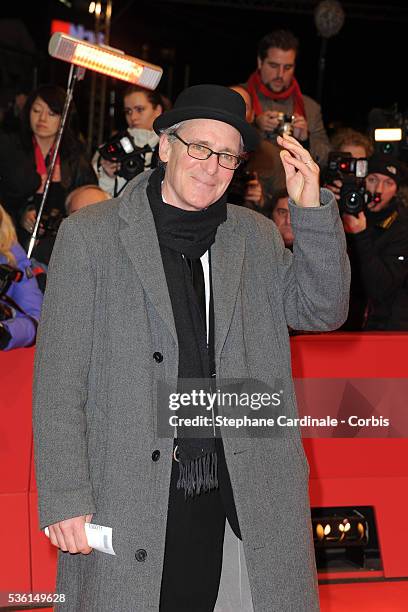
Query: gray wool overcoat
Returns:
{"type": "Point", "coordinates": [106, 312]}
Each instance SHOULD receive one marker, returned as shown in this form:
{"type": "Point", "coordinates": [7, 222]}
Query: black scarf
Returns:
{"type": "Point", "coordinates": [185, 231]}
{"type": "Point", "coordinates": [189, 234]}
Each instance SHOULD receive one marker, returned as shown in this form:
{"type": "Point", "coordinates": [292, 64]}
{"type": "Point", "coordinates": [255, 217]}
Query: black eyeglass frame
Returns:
{"type": "Point", "coordinates": [239, 159]}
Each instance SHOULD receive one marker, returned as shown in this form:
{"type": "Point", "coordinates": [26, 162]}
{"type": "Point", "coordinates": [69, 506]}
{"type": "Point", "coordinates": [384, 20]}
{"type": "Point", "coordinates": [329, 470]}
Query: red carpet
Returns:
{"type": "Point", "coordinates": [355, 597]}
{"type": "Point", "coordinates": [364, 597]}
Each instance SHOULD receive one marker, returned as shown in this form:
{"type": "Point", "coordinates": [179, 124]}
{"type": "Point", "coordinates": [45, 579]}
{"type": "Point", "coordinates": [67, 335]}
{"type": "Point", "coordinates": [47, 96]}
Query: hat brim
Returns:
{"type": "Point", "coordinates": [177, 115]}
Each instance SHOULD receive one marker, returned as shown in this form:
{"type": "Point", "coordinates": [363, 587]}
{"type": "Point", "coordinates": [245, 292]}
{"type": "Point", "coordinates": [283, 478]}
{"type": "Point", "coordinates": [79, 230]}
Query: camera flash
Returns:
{"type": "Point", "coordinates": [388, 134]}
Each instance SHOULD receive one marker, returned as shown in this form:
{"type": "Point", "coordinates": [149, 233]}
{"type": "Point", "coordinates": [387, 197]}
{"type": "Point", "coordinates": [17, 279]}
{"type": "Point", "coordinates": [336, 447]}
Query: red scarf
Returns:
{"type": "Point", "coordinates": [255, 85]}
{"type": "Point", "coordinates": [40, 164]}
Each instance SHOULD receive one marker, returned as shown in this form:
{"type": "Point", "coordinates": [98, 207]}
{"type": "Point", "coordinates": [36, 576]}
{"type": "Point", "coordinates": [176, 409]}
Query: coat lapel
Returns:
{"type": "Point", "coordinates": [139, 237]}
{"type": "Point", "coordinates": [227, 256]}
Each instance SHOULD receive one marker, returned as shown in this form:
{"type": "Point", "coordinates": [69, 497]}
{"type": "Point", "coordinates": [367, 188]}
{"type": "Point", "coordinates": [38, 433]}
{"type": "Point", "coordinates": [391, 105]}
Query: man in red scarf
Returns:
{"type": "Point", "coordinates": [275, 90]}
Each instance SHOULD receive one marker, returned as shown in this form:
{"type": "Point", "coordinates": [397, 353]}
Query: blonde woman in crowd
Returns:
{"type": "Point", "coordinates": [20, 297]}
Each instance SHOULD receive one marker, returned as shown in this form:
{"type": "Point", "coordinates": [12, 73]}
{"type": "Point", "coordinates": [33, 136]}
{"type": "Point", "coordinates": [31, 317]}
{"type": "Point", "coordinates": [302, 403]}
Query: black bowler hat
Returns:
{"type": "Point", "coordinates": [210, 102]}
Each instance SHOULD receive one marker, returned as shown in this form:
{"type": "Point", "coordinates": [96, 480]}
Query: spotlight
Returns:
{"type": "Point", "coordinates": [387, 140]}
{"type": "Point", "coordinates": [99, 58]}
{"type": "Point", "coordinates": [345, 539]}
{"type": "Point", "coordinates": [106, 60]}
{"type": "Point", "coordinates": [334, 530]}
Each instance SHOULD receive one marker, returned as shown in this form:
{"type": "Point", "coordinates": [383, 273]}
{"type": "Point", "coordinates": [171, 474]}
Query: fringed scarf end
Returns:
{"type": "Point", "coordinates": [198, 475]}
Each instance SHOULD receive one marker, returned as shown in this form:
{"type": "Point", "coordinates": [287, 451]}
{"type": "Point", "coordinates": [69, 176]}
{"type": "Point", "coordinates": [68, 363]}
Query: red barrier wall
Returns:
{"type": "Point", "coordinates": [15, 454]}
{"type": "Point", "coordinates": [360, 472]}
{"type": "Point", "coordinates": [366, 472]}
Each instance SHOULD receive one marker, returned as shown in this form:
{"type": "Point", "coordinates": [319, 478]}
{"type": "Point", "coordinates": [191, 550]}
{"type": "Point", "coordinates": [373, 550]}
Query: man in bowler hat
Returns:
{"type": "Point", "coordinates": [170, 282]}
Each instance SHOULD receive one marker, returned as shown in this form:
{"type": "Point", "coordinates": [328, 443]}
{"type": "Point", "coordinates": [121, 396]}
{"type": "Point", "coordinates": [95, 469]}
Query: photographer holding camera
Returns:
{"type": "Point", "coordinates": [24, 161]}
{"type": "Point", "coordinates": [280, 107]}
{"type": "Point", "coordinates": [20, 297]}
{"type": "Point", "coordinates": [376, 225]}
{"type": "Point", "coordinates": [346, 143]}
{"type": "Point", "coordinates": [131, 151]}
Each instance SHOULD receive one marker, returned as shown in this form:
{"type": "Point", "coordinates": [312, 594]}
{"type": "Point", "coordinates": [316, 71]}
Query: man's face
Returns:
{"type": "Point", "coordinates": [384, 185]}
{"type": "Point", "coordinates": [277, 69]}
{"type": "Point", "coordinates": [281, 216]}
{"type": "Point", "coordinates": [194, 184]}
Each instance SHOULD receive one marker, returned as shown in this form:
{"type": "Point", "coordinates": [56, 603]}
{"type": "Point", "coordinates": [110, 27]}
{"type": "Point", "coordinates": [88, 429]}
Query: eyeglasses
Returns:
{"type": "Point", "coordinates": [199, 151]}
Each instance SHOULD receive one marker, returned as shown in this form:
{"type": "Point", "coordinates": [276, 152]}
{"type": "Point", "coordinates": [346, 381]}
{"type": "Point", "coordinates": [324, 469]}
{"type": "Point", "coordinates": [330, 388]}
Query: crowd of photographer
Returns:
{"type": "Point", "coordinates": [278, 102]}
{"type": "Point", "coordinates": [366, 185]}
{"type": "Point", "coordinates": [126, 155]}
{"type": "Point", "coordinates": [376, 226]}
{"type": "Point", "coordinates": [25, 156]}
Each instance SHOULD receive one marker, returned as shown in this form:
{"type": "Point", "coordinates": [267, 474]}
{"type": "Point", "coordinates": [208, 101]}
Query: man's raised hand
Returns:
{"type": "Point", "coordinates": [302, 172]}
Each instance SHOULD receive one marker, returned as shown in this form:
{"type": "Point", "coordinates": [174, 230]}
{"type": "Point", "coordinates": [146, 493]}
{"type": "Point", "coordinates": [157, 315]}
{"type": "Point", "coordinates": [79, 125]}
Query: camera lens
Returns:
{"type": "Point", "coordinates": [353, 202]}
{"type": "Point", "coordinates": [131, 166]}
{"type": "Point", "coordinates": [387, 148]}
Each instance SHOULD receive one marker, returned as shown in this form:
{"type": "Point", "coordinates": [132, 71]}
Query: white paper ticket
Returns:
{"type": "Point", "coordinates": [98, 536]}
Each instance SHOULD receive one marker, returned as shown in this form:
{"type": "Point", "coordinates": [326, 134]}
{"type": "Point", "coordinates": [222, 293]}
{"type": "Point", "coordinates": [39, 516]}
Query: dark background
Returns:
{"type": "Point", "coordinates": [215, 42]}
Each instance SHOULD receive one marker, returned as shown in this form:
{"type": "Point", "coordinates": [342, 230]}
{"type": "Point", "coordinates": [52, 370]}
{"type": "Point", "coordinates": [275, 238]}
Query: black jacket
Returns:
{"type": "Point", "coordinates": [19, 183]}
{"type": "Point", "coordinates": [19, 179]}
{"type": "Point", "coordinates": [379, 263]}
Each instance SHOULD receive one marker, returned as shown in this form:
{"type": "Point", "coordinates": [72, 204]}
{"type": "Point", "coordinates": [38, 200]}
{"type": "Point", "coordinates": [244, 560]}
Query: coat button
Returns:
{"type": "Point", "coordinates": [140, 555]}
{"type": "Point", "coordinates": [158, 357]}
{"type": "Point", "coordinates": [156, 455]}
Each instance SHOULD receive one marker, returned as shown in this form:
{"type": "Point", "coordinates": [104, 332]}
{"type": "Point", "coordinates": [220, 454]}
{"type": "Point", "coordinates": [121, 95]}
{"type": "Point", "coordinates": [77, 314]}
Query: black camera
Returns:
{"type": "Point", "coordinates": [8, 275]}
{"type": "Point", "coordinates": [354, 197]}
{"type": "Point", "coordinates": [238, 185]}
{"type": "Point", "coordinates": [340, 164]}
{"type": "Point", "coordinates": [352, 172]}
{"type": "Point", "coordinates": [122, 149]}
{"type": "Point", "coordinates": [285, 125]}
{"type": "Point", "coordinates": [50, 221]}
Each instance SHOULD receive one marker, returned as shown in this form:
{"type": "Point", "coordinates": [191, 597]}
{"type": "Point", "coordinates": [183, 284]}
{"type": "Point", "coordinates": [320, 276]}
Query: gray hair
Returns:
{"type": "Point", "coordinates": [170, 131]}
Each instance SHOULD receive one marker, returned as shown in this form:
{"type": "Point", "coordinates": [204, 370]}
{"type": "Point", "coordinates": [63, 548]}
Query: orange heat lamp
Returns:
{"type": "Point", "coordinates": [106, 60]}
{"type": "Point", "coordinates": [98, 58]}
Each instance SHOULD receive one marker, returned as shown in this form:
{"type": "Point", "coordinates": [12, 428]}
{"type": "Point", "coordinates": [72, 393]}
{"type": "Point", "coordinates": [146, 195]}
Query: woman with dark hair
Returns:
{"type": "Point", "coordinates": [24, 164]}
{"type": "Point", "coordinates": [141, 107]}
